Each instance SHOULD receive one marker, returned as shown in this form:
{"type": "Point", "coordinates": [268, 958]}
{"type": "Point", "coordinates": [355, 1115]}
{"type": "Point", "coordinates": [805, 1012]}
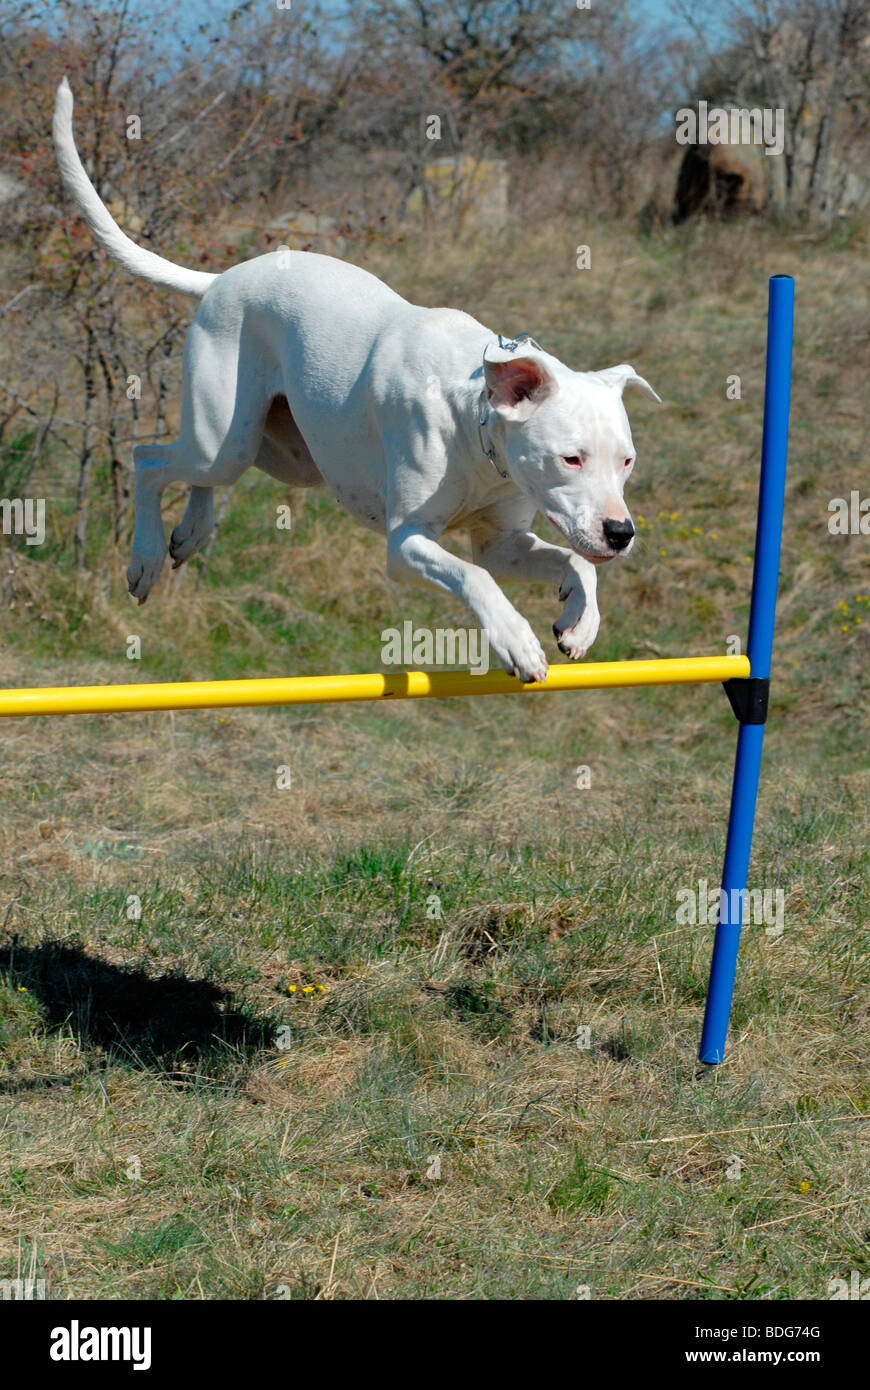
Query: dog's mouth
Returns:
{"type": "Point", "coordinates": [595, 557]}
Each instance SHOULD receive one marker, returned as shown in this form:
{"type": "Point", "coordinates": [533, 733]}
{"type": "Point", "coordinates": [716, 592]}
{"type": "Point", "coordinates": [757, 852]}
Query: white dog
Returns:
{"type": "Point", "coordinates": [419, 420]}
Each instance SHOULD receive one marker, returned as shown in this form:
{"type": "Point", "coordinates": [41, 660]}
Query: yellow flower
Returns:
{"type": "Point", "coordinates": [21, 989]}
{"type": "Point", "coordinates": [845, 627]}
{"type": "Point", "coordinates": [291, 989]}
{"type": "Point", "coordinates": [664, 553]}
{"type": "Point", "coordinates": [307, 989]}
{"type": "Point", "coordinates": [805, 1186]}
{"type": "Point", "coordinates": [714, 535]}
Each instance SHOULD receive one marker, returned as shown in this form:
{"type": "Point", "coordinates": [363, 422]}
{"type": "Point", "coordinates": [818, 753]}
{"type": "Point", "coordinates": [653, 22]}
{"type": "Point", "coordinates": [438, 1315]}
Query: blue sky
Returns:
{"type": "Point", "coordinates": [201, 11]}
{"type": "Point", "coordinates": [656, 9]}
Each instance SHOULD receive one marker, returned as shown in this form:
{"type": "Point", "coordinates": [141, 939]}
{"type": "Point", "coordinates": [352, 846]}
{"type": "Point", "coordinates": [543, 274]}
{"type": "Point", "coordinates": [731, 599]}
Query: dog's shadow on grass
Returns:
{"type": "Point", "coordinates": [187, 1027]}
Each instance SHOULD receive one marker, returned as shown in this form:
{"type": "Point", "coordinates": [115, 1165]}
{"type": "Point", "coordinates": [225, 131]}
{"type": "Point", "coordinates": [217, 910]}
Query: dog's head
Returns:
{"type": "Point", "coordinates": [566, 441]}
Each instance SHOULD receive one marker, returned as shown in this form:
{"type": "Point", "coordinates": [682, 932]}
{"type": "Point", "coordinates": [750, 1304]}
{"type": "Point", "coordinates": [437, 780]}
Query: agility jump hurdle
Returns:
{"type": "Point", "coordinates": [398, 685]}
{"type": "Point", "coordinates": [746, 678]}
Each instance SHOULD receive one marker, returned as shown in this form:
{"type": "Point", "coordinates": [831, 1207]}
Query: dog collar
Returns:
{"type": "Point", "coordinates": [507, 345]}
{"type": "Point", "coordinates": [483, 433]}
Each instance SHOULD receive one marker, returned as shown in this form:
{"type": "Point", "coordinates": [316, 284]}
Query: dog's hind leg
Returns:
{"type": "Point", "coordinates": [195, 526]}
{"type": "Point", "coordinates": [218, 439]}
{"type": "Point", "coordinates": [282, 453]}
{"type": "Point", "coordinates": [154, 470]}
{"type": "Point", "coordinates": [158, 465]}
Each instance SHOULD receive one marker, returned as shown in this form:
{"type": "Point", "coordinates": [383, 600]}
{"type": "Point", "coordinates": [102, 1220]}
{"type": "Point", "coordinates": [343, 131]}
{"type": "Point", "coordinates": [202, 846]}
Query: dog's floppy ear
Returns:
{"type": "Point", "coordinates": [516, 383]}
{"type": "Point", "coordinates": [624, 375]}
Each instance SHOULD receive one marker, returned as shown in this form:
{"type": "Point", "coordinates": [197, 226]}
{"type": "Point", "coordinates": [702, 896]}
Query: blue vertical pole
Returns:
{"type": "Point", "coordinates": [747, 766]}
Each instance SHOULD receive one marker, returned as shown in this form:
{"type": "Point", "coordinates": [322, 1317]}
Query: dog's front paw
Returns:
{"type": "Point", "coordinates": [577, 627]}
{"type": "Point", "coordinates": [518, 650]}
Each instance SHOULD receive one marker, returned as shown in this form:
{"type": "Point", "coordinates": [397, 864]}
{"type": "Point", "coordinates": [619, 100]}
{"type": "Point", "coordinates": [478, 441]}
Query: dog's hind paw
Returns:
{"type": "Point", "coordinates": [183, 543]}
{"type": "Point", "coordinates": [142, 574]}
{"type": "Point", "coordinates": [194, 528]}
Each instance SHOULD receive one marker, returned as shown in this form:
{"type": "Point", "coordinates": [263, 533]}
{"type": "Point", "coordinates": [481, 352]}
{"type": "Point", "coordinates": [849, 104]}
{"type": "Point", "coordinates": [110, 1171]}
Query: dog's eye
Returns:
{"type": "Point", "coordinates": [628, 463]}
{"type": "Point", "coordinates": [576, 460]}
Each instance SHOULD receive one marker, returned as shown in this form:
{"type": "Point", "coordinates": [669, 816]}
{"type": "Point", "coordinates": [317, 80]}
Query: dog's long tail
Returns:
{"type": "Point", "coordinates": [101, 222]}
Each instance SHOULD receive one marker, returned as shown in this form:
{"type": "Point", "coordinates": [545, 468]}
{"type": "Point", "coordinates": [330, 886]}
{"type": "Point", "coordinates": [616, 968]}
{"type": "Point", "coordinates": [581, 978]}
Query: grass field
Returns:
{"type": "Point", "coordinates": [328, 1040]}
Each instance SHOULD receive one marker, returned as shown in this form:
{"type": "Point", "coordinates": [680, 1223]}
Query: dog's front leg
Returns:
{"type": "Point", "coordinates": [523, 555]}
{"type": "Point", "coordinates": [577, 626]}
{"type": "Point", "coordinates": [414, 552]}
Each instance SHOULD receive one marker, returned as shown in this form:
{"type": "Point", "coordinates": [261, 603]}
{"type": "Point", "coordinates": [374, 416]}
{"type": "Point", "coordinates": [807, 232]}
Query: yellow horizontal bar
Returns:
{"type": "Point", "coordinates": [398, 685]}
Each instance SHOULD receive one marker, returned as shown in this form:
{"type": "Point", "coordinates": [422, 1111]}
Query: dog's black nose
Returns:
{"type": "Point", "coordinates": [617, 533]}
